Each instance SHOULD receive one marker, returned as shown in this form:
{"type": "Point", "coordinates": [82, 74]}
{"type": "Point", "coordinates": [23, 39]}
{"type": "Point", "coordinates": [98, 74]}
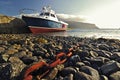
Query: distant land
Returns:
{"type": "Point", "coordinates": [81, 25]}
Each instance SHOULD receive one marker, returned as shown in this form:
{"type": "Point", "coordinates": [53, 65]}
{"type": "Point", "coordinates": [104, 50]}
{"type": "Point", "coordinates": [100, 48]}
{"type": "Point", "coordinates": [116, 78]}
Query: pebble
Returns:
{"type": "Point", "coordinates": [110, 67]}
{"type": "Point", "coordinates": [2, 49]}
{"type": "Point", "coordinates": [115, 76]}
{"type": "Point", "coordinates": [103, 77]}
{"type": "Point", "coordinates": [90, 71]}
{"type": "Point", "coordinates": [66, 71]}
{"type": "Point", "coordinates": [91, 60]}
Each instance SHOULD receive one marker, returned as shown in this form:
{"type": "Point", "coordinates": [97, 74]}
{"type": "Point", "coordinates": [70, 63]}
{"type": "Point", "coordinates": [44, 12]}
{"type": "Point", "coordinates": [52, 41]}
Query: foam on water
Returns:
{"type": "Point", "coordinates": [92, 33]}
{"type": "Point", "coordinates": [112, 34]}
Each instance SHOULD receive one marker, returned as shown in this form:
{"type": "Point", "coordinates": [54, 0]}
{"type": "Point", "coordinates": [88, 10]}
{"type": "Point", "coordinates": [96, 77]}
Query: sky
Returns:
{"type": "Point", "coordinates": [103, 13]}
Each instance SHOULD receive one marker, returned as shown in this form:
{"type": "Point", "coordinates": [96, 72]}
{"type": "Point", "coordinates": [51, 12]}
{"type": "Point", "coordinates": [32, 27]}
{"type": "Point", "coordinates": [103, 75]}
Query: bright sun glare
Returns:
{"type": "Point", "coordinates": [107, 16]}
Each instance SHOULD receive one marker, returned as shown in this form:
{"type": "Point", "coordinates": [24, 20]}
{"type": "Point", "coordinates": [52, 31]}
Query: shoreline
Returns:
{"type": "Point", "coordinates": [93, 59]}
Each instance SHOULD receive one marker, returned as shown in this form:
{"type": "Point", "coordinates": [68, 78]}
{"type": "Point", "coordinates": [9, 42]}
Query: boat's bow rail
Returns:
{"type": "Point", "coordinates": [46, 13]}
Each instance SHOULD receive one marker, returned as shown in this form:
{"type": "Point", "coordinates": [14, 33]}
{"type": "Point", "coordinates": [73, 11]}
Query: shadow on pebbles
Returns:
{"type": "Point", "coordinates": [92, 59]}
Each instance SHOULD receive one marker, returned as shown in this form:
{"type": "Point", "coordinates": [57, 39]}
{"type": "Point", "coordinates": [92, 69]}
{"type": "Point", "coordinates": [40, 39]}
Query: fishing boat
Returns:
{"type": "Point", "coordinates": [46, 21]}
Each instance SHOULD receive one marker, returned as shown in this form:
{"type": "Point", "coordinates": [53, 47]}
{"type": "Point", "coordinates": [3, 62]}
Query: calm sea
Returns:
{"type": "Point", "coordinates": [94, 33]}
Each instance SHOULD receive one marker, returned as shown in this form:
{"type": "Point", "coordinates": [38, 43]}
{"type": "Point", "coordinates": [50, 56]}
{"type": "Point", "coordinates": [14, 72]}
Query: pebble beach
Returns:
{"type": "Point", "coordinates": [89, 59]}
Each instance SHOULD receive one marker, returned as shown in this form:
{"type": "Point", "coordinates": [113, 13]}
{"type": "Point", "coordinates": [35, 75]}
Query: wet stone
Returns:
{"type": "Point", "coordinates": [5, 71]}
{"type": "Point", "coordinates": [82, 54]}
{"type": "Point", "coordinates": [115, 55]}
{"type": "Point", "coordinates": [16, 66]}
{"type": "Point", "coordinates": [10, 71]}
{"type": "Point", "coordinates": [66, 71]}
{"type": "Point", "coordinates": [24, 49]}
{"type": "Point", "coordinates": [11, 51]}
{"type": "Point", "coordinates": [103, 47]}
{"type": "Point", "coordinates": [83, 76]}
{"type": "Point", "coordinates": [30, 48]}
{"type": "Point", "coordinates": [42, 40]}
{"type": "Point", "coordinates": [29, 60]}
{"type": "Point", "coordinates": [104, 53]}
{"type": "Point", "coordinates": [2, 49]}
{"type": "Point", "coordinates": [90, 71]}
{"type": "Point", "coordinates": [16, 46]}
{"type": "Point", "coordinates": [93, 54]}
{"type": "Point", "coordinates": [38, 53]}
{"type": "Point", "coordinates": [103, 77]}
{"type": "Point", "coordinates": [74, 59]}
{"type": "Point", "coordinates": [5, 46]}
{"type": "Point", "coordinates": [52, 74]}
{"type": "Point", "coordinates": [79, 64]}
{"type": "Point", "coordinates": [99, 61]}
{"type": "Point", "coordinates": [115, 76]}
{"type": "Point", "coordinates": [29, 54]}
{"type": "Point", "coordinates": [60, 67]}
{"type": "Point", "coordinates": [4, 58]}
{"type": "Point", "coordinates": [70, 77]}
{"type": "Point", "coordinates": [20, 54]}
{"type": "Point", "coordinates": [110, 67]}
{"type": "Point", "coordinates": [3, 42]}
{"type": "Point", "coordinates": [16, 41]}
{"type": "Point", "coordinates": [90, 61]}
{"type": "Point", "coordinates": [43, 49]}
{"type": "Point", "coordinates": [87, 63]}
{"type": "Point", "coordinates": [118, 59]}
{"type": "Point", "coordinates": [59, 78]}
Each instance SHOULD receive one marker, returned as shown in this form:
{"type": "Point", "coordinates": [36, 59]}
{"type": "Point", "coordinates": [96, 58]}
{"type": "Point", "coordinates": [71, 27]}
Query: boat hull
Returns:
{"type": "Point", "coordinates": [39, 25]}
{"type": "Point", "coordinates": [44, 30]}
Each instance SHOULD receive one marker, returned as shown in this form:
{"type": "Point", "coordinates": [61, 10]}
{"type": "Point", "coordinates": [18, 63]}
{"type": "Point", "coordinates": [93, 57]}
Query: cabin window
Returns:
{"type": "Point", "coordinates": [52, 15]}
{"type": "Point", "coordinates": [41, 14]}
{"type": "Point", "coordinates": [47, 14]}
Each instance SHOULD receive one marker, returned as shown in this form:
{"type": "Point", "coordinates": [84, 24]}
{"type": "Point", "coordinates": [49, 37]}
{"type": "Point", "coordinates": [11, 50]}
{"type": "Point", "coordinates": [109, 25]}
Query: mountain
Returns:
{"type": "Point", "coordinates": [81, 25]}
{"type": "Point", "coordinates": [73, 23]}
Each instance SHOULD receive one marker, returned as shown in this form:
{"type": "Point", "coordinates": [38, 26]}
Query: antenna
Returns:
{"type": "Point", "coordinates": [22, 11]}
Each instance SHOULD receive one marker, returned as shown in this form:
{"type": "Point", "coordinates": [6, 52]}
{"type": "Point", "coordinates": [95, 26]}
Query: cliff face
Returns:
{"type": "Point", "coordinates": [81, 25]}
{"type": "Point", "coordinates": [74, 23]}
{"type": "Point", "coordinates": [12, 25]}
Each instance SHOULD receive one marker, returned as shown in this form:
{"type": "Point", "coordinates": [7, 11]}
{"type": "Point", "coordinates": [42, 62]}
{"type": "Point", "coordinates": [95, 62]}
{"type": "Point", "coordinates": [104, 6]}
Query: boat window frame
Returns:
{"type": "Point", "coordinates": [47, 14]}
{"type": "Point", "coordinates": [53, 15]}
{"type": "Point", "coordinates": [41, 14]}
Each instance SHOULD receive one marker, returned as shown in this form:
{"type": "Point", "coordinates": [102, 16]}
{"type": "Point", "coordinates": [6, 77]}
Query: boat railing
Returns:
{"type": "Point", "coordinates": [28, 11]}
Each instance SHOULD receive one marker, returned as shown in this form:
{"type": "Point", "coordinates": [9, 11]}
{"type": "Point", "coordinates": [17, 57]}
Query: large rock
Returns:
{"type": "Point", "coordinates": [68, 70]}
{"type": "Point", "coordinates": [83, 76]}
{"type": "Point", "coordinates": [11, 70]}
{"type": "Point", "coordinates": [16, 67]}
{"type": "Point", "coordinates": [110, 67]}
{"type": "Point", "coordinates": [5, 71]}
{"type": "Point", "coordinates": [98, 61]}
{"type": "Point", "coordinates": [116, 55]}
{"type": "Point", "coordinates": [90, 71]}
{"type": "Point", "coordinates": [115, 76]}
{"type": "Point", "coordinates": [12, 25]}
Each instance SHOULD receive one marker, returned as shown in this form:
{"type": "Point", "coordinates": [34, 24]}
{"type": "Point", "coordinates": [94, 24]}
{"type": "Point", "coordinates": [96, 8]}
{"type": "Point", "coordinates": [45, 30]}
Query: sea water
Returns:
{"type": "Point", "coordinates": [96, 33]}
{"type": "Point", "coordinates": [90, 33]}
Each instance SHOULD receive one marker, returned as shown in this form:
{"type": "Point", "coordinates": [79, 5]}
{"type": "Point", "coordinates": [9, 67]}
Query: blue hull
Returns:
{"type": "Point", "coordinates": [39, 22]}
